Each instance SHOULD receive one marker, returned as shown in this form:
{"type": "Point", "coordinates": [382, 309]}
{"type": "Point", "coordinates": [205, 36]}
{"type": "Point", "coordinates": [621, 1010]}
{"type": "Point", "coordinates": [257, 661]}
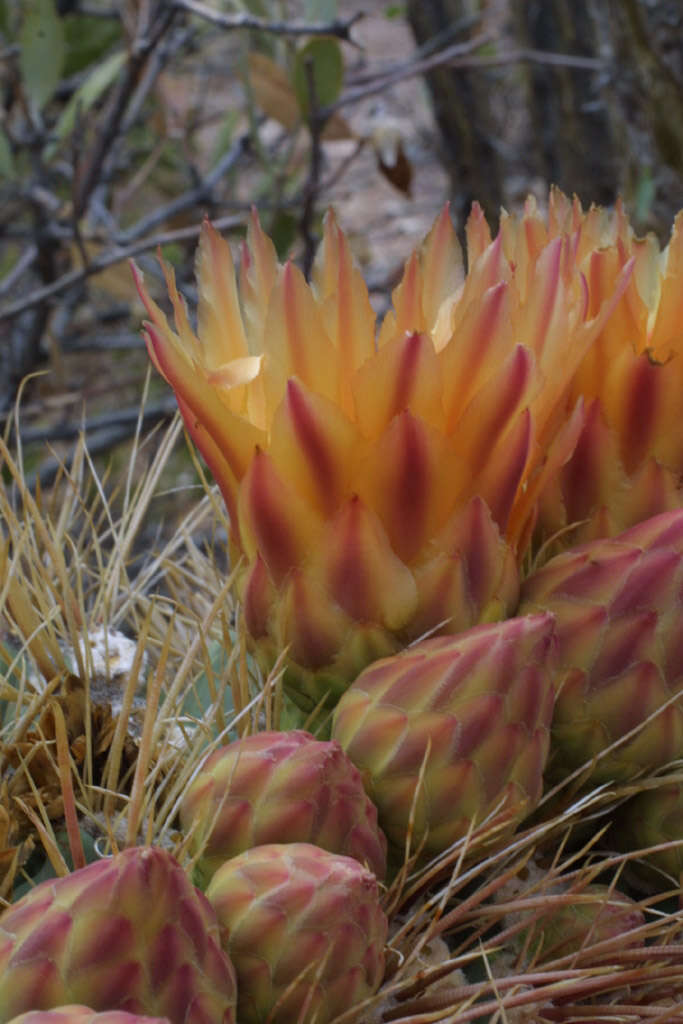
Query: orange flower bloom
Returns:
{"type": "Point", "coordinates": [382, 485]}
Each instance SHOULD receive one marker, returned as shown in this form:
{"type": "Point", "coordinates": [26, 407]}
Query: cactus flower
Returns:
{"type": "Point", "coordinates": [628, 460]}
{"type": "Point", "coordinates": [378, 485]}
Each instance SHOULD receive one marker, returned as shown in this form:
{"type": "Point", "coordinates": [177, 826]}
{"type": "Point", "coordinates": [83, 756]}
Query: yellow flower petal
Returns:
{"type": "Point", "coordinates": [361, 573]}
{"type": "Point", "coordinates": [219, 321]}
{"type": "Point", "coordinates": [404, 374]}
{"type": "Point", "coordinates": [297, 343]}
{"type": "Point", "coordinates": [314, 446]}
{"type": "Point", "coordinates": [347, 315]}
{"type": "Point", "coordinates": [411, 478]}
{"type": "Point", "coordinates": [236, 438]}
{"type": "Point", "coordinates": [275, 521]}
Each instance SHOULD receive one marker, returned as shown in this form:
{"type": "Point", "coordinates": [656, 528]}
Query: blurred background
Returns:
{"type": "Point", "coordinates": [123, 123]}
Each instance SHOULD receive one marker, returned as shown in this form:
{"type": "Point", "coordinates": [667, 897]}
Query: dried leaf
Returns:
{"type": "Point", "coordinates": [392, 161]}
{"type": "Point", "coordinates": [273, 91]}
{"type": "Point", "coordinates": [337, 128]}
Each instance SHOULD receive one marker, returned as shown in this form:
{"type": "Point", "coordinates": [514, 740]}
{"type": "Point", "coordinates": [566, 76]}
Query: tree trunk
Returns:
{"type": "Point", "coordinates": [462, 107]}
{"type": "Point", "coordinates": [597, 132]}
{"type": "Point", "coordinates": [571, 142]}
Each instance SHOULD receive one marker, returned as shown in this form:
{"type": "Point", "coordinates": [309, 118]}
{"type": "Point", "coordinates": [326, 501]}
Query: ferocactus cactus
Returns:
{"type": "Point", "coordinates": [83, 1015]}
{"type": "Point", "coordinates": [453, 728]}
{"type": "Point", "coordinates": [128, 932]}
{"type": "Point", "coordinates": [581, 920]}
{"type": "Point", "coordinates": [652, 818]}
{"type": "Point", "coordinates": [305, 930]}
{"type": "Point", "coordinates": [618, 607]}
{"type": "Point", "coordinates": [280, 787]}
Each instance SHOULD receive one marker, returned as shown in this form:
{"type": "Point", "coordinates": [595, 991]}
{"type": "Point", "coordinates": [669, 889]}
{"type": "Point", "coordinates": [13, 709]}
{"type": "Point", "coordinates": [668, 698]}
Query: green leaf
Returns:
{"type": "Point", "coordinates": [88, 39]}
{"type": "Point", "coordinates": [291, 717]}
{"type": "Point", "coordinates": [41, 50]}
{"type": "Point", "coordinates": [173, 253]}
{"type": "Point", "coordinates": [5, 24]}
{"type": "Point", "coordinates": [320, 10]}
{"type": "Point", "coordinates": [86, 95]}
{"type": "Point", "coordinates": [202, 695]}
{"type": "Point", "coordinates": [39, 868]}
{"type": "Point", "coordinates": [6, 158]}
{"type": "Point", "coordinates": [283, 231]}
{"type": "Point", "coordinates": [225, 135]}
{"type": "Point", "coordinates": [321, 61]}
{"type": "Point", "coordinates": [646, 191]}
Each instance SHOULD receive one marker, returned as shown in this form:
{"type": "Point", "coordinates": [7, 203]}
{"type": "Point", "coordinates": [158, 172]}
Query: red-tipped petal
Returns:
{"type": "Point", "coordinates": [314, 628]}
{"type": "Point", "coordinates": [410, 377]}
{"type": "Point", "coordinates": [482, 339]}
{"type": "Point", "coordinates": [496, 406]}
{"type": "Point", "coordinates": [234, 437]}
{"type": "Point", "coordinates": [503, 470]}
{"type": "Point", "coordinates": [362, 573]}
{"type": "Point", "coordinates": [153, 311]}
{"type": "Point", "coordinates": [411, 479]}
{"type": "Point", "coordinates": [666, 331]}
{"type": "Point", "coordinates": [258, 599]}
{"type": "Point", "coordinates": [220, 326]}
{"type": "Point", "coordinates": [297, 343]}
{"type": "Point", "coordinates": [217, 463]}
{"type": "Point", "coordinates": [345, 306]}
{"type": "Point", "coordinates": [442, 266]}
{"type": "Point", "coordinates": [274, 519]}
{"type": "Point", "coordinates": [406, 315]}
{"type": "Point", "coordinates": [314, 446]}
{"type": "Point", "coordinates": [477, 233]}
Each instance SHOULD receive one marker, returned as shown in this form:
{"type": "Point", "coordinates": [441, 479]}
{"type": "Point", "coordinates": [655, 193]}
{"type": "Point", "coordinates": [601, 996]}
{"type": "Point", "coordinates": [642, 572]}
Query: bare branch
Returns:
{"type": "Point", "coordinates": [461, 55]}
{"type": "Point", "coordinates": [124, 418]}
{"type": "Point", "coordinates": [339, 27]}
{"type": "Point", "coordinates": [193, 197]}
{"type": "Point", "coordinates": [316, 123]}
{"type": "Point", "coordinates": [26, 260]}
{"type": "Point", "coordinates": [108, 259]}
{"type": "Point", "coordinates": [143, 44]}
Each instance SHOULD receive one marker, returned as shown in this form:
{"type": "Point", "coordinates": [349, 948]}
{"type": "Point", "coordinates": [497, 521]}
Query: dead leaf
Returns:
{"type": "Point", "coordinates": [273, 91]}
{"type": "Point", "coordinates": [391, 158]}
{"type": "Point", "coordinates": [337, 129]}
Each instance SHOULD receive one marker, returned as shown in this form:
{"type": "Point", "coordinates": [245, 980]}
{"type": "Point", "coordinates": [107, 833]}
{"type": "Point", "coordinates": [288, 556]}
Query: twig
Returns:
{"type": "Point", "coordinates": [193, 197]}
{"type": "Point", "coordinates": [143, 44]}
{"type": "Point", "coordinates": [122, 418]}
{"type": "Point", "coordinates": [26, 260]}
{"type": "Point", "coordinates": [412, 67]}
{"type": "Point", "coordinates": [461, 55]}
{"type": "Point", "coordinates": [99, 442]}
{"type": "Point", "coordinates": [108, 259]}
{"type": "Point", "coordinates": [316, 123]}
{"type": "Point", "coordinates": [109, 341]}
{"type": "Point", "coordinates": [339, 27]}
